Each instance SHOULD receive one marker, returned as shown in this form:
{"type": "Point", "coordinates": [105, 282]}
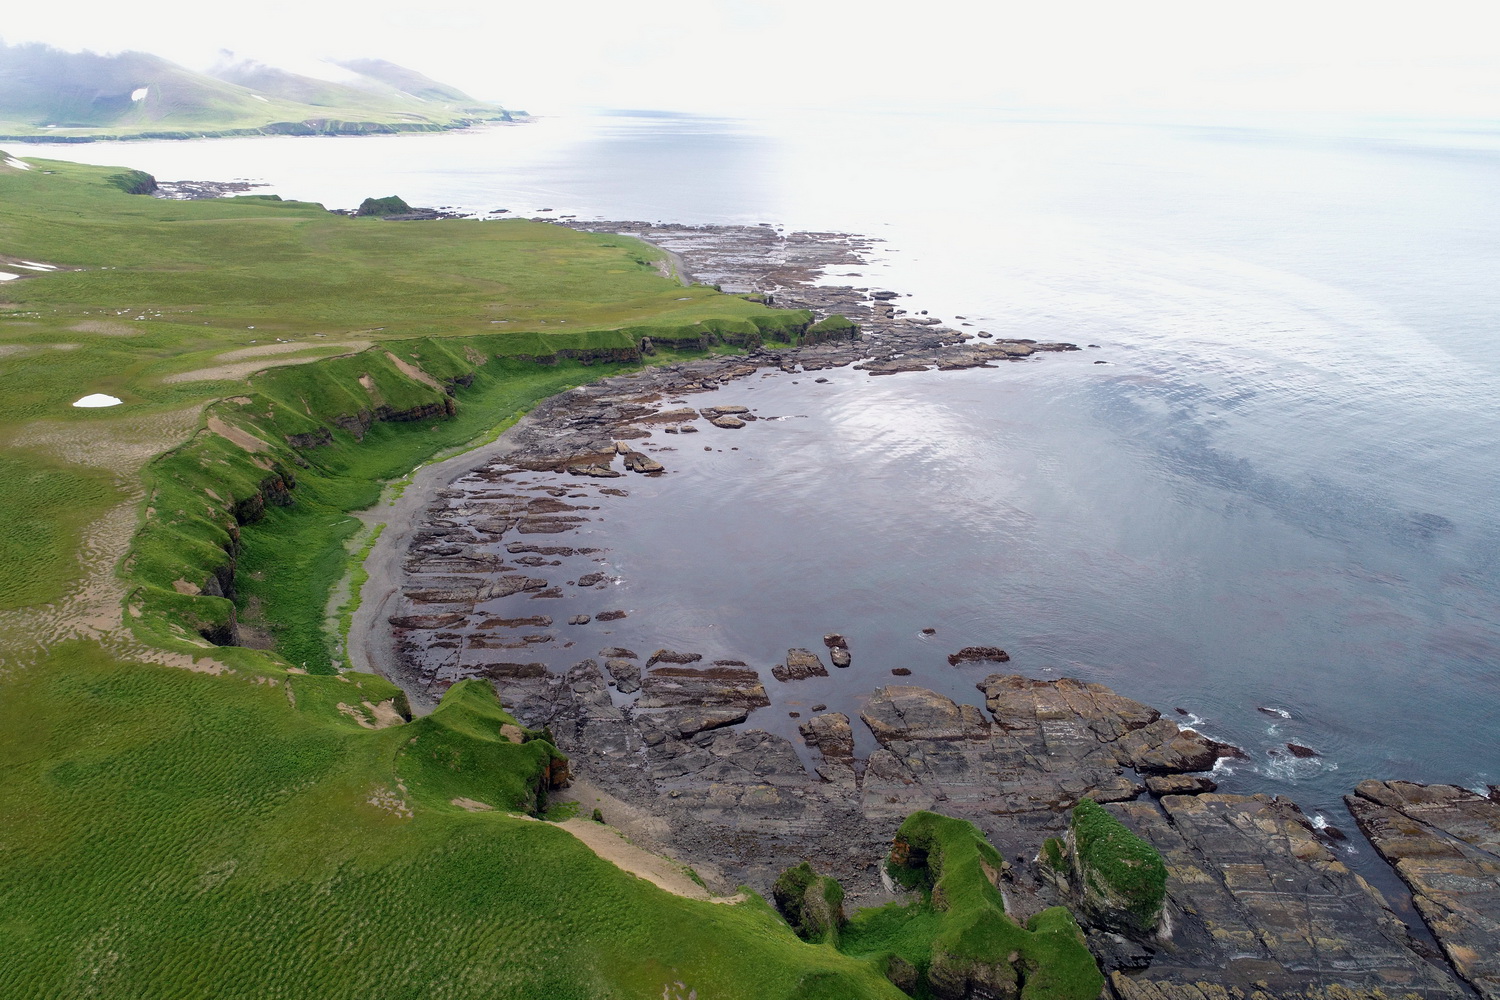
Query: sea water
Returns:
{"type": "Point", "coordinates": [1273, 507]}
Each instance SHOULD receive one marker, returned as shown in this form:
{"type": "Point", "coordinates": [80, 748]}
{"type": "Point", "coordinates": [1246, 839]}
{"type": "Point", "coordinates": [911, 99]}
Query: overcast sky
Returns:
{"type": "Point", "coordinates": [1433, 58]}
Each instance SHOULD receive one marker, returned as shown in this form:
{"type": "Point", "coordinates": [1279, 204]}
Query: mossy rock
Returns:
{"type": "Point", "coordinates": [1123, 879]}
{"type": "Point", "coordinates": [390, 205]}
{"type": "Point", "coordinates": [977, 949]}
{"type": "Point", "coordinates": [813, 904]}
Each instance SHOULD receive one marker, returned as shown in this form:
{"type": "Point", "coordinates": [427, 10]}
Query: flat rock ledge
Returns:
{"type": "Point", "coordinates": [1258, 905]}
{"type": "Point", "coordinates": [1444, 842]}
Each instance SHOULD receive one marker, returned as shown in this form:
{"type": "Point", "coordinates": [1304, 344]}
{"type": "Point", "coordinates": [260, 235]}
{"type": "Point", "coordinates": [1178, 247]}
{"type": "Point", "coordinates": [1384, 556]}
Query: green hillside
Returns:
{"type": "Point", "coordinates": [185, 820]}
{"type": "Point", "coordinates": [49, 94]}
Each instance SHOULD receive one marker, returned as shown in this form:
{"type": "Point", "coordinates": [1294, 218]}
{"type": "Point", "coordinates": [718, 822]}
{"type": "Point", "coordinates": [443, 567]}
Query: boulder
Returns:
{"type": "Point", "coordinates": [1180, 784]}
{"type": "Point", "coordinates": [800, 664]}
{"type": "Point", "coordinates": [627, 675]}
{"type": "Point", "coordinates": [830, 735]}
{"type": "Point", "coordinates": [812, 904]}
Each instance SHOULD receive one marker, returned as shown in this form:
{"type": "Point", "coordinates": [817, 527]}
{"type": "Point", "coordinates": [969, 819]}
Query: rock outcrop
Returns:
{"type": "Point", "coordinates": [1444, 842]}
{"type": "Point", "coordinates": [800, 664]}
{"type": "Point", "coordinates": [1118, 880]}
{"type": "Point", "coordinates": [1253, 890]}
{"type": "Point", "coordinates": [813, 904]}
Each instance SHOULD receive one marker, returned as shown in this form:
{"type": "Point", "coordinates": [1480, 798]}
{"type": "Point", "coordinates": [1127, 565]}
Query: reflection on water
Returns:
{"type": "Point", "coordinates": [1279, 493]}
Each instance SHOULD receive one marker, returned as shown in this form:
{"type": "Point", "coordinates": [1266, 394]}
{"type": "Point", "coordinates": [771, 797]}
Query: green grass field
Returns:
{"type": "Point", "coordinates": [180, 819]}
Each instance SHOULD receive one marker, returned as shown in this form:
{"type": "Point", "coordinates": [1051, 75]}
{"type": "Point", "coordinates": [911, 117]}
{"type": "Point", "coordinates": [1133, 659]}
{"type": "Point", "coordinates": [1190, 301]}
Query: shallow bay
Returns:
{"type": "Point", "coordinates": [1279, 493]}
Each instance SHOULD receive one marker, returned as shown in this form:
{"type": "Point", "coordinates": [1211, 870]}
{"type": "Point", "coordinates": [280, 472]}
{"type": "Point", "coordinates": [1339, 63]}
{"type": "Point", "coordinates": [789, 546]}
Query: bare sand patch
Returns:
{"type": "Point", "coordinates": [611, 845]}
{"type": "Point", "coordinates": [182, 661]}
{"type": "Point", "coordinates": [388, 800]}
{"type": "Point", "coordinates": [371, 715]}
{"type": "Point", "coordinates": [412, 371]}
{"type": "Point", "coordinates": [233, 372]}
{"type": "Point", "coordinates": [238, 435]}
{"type": "Point", "coordinates": [262, 350]}
{"type": "Point", "coordinates": [384, 713]}
{"type": "Point", "coordinates": [472, 805]}
{"type": "Point", "coordinates": [7, 349]}
{"type": "Point", "coordinates": [236, 370]}
{"type": "Point", "coordinates": [347, 709]}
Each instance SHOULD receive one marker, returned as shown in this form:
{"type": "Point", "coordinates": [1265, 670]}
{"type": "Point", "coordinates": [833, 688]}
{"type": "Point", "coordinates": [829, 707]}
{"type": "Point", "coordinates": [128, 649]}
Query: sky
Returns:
{"type": "Point", "coordinates": [1204, 58]}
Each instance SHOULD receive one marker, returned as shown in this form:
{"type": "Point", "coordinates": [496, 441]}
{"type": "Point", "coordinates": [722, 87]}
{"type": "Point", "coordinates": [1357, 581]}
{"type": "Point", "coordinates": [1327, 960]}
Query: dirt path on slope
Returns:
{"type": "Point", "coordinates": [611, 845]}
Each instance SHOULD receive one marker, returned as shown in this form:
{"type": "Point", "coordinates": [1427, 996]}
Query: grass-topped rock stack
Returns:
{"type": "Point", "coordinates": [813, 904]}
{"type": "Point", "coordinates": [470, 753]}
{"type": "Point", "coordinates": [958, 941]}
{"type": "Point", "coordinates": [389, 205]}
{"type": "Point", "coordinates": [1119, 880]}
{"type": "Point", "coordinates": [831, 328]}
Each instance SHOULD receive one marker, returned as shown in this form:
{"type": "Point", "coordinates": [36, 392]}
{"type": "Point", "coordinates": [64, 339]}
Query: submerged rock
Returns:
{"type": "Point", "coordinates": [978, 654]}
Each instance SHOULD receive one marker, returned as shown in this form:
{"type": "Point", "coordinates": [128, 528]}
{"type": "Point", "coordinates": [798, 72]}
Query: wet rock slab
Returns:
{"type": "Point", "coordinates": [1253, 890]}
{"type": "Point", "coordinates": [1444, 842]}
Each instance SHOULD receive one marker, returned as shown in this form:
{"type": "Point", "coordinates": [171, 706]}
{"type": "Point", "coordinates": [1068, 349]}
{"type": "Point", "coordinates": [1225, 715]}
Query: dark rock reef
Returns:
{"type": "Point", "coordinates": [1254, 898]}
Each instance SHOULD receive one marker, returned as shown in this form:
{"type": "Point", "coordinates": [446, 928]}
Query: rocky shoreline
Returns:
{"type": "Point", "coordinates": [663, 743]}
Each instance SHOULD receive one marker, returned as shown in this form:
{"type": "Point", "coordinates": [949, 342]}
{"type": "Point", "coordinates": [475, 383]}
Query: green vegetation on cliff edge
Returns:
{"type": "Point", "coordinates": [960, 936]}
{"type": "Point", "coordinates": [1117, 862]}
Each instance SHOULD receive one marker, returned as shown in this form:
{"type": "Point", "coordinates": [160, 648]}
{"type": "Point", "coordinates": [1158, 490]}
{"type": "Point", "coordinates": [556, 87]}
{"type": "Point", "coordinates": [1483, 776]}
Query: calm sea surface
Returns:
{"type": "Point", "coordinates": [1280, 493]}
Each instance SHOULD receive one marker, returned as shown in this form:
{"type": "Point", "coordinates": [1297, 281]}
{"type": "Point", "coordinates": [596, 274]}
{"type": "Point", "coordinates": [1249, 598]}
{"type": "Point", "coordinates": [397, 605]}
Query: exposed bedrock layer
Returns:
{"type": "Point", "coordinates": [1445, 844]}
{"type": "Point", "coordinates": [1255, 898]}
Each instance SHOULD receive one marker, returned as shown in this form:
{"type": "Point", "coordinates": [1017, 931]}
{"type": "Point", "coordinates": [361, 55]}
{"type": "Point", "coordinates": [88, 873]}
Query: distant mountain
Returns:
{"type": "Point", "coordinates": [49, 94]}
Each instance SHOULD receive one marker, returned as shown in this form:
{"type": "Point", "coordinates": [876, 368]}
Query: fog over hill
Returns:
{"type": "Point", "coordinates": [48, 93]}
